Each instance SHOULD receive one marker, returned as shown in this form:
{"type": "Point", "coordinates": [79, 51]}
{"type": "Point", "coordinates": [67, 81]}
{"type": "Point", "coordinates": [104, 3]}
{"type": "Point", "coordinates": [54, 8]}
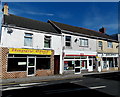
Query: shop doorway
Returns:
{"type": "Point", "coordinates": [31, 65]}
{"type": "Point", "coordinates": [56, 64]}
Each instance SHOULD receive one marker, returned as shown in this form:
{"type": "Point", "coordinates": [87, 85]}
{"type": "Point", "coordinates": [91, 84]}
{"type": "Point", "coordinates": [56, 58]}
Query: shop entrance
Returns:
{"type": "Point", "coordinates": [31, 62]}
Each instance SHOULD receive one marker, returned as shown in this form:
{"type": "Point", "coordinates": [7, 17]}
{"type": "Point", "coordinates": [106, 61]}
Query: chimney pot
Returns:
{"type": "Point", "coordinates": [102, 30]}
{"type": "Point", "coordinates": [5, 9]}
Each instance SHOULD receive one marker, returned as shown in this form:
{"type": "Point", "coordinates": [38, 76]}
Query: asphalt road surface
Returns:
{"type": "Point", "coordinates": [106, 85]}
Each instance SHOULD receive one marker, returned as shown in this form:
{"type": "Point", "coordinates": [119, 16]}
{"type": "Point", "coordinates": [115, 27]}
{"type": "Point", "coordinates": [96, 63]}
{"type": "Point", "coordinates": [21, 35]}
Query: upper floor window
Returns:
{"type": "Point", "coordinates": [68, 41]}
{"type": "Point", "coordinates": [110, 45]}
{"type": "Point", "coordinates": [47, 41]}
{"type": "Point", "coordinates": [100, 45]}
{"type": "Point", "coordinates": [83, 42]}
{"type": "Point", "coordinates": [28, 38]}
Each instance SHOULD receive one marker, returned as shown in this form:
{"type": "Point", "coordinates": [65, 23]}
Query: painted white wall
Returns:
{"type": "Point", "coordinates": [76, 45]}
{"type": "Point", "coordinates": [16, 40]}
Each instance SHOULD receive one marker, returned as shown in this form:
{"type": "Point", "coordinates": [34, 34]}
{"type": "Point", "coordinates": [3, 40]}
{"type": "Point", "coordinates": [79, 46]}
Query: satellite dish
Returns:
{"type": "Point", "coordinates": [9, 30]}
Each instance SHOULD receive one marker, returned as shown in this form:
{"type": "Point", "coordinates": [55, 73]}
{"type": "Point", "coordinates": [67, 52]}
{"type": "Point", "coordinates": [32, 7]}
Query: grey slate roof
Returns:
{"type": "Point", "coordinates": [81, 30]}
{"type": "Point", "coordinates": [28, 23]}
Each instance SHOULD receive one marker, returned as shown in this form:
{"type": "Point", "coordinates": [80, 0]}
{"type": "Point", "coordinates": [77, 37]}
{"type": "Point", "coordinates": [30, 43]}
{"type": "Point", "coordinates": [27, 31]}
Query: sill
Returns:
{"type": "Point", "coordinates": [28, 47]}
{"type": "Point", "coordinates": [84, 46]}
{"type": "Point", "coordinates": [68, 47]}
{"type": "Point", "coordinates": [15, 71]}
{"type": "Point", "coordinates": [47, 49]}
{"type": "Point", "coordinates": [110, 48]}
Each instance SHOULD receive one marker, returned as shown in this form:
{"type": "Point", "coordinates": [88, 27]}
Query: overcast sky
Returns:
{"type": "Point", "coordinates": [91, 15]}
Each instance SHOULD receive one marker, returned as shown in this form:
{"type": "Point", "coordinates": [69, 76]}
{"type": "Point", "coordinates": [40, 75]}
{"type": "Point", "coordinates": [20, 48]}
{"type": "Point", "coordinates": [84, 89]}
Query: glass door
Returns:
{"type": "Point", "coordinates": [77, 67]}
{"type": "Point", "coordinates": [31, 66]}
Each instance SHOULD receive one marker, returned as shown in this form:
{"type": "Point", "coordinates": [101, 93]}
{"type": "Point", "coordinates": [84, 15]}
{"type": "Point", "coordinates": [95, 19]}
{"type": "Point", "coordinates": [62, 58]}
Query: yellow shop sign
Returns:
{"type": "Point", "coordinates": [29, 51]}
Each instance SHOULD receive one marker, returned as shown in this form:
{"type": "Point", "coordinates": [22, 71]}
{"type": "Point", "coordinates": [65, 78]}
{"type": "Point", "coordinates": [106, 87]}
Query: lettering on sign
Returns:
{"type": "Point", "coordinates": [29, 51]}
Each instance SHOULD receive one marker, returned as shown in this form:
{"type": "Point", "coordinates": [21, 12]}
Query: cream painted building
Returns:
{"type": "Point", "coordinates": [107, 54]}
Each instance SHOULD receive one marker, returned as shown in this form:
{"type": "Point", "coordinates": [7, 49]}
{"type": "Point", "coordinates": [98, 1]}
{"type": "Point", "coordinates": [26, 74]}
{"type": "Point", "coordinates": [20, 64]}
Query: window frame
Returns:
{"type": "Point", "coordinates": [100, 45]}
{"type": "Point", "coordinates": [109, 44]}
{"type": "Point", "coordinates": [26, 57]}
{"type": "Point", "coordinates": [47, 38]}
{"type": "Point", "coordinates": [83, 42]}
{"type": "Point", "coordinates": [68, 41]}
{"type": "Point", "coordinates": [28, 35]}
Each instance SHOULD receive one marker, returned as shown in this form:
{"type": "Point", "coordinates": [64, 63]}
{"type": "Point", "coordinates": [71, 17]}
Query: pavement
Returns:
{"type": "Point", "coordinates": [46, 78]}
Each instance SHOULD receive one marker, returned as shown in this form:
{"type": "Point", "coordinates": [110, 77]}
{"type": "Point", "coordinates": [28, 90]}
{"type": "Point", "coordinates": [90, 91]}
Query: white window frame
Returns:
{"type": "Point", "coordinates": [100, 45]}
{"type": "Point", "coordinates": [48, 38]}
{"type": "Point", "coordinates": [109, 44]}
{"type": "Point", "coordinates": [30, 36]}
{"type": "Point", "coordinates": [83, 42]}
{"type": "Point", "coordinates": [66, 41]}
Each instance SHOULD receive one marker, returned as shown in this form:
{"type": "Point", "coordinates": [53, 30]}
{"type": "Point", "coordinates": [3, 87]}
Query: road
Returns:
{"type": "Point", "coordinates": [93, 85]}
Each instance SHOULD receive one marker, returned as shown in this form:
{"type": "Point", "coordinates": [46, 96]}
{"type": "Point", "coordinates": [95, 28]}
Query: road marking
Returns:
{"type": "Point", "coordinates": [22, 86]}
{"type": "Point", "coordinates": [71, 90]}
{"type": "Point", "coordinates": [29, 84]}
{"type": "Point", "coordinates": [56, 91]}
{"type": "Point", "coordinates": [13, 88]}
{"type": "Point", "coordinates": [76, 81]}
{"type": "Point", "coordinates": [97, 87]}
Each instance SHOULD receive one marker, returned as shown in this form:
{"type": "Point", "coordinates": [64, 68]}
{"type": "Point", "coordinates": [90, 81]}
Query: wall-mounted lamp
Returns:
{"type": "Point", "coordinates": [9, 30]}
{"type": "Point", "coordinates": [76, 40]}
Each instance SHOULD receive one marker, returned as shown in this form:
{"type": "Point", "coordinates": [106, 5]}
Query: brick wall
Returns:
{"type": "Point", "coordinates": [20, 74]}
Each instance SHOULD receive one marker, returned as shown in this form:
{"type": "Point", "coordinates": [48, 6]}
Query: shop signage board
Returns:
{"type": "Point", "coordinates": [29, 51]}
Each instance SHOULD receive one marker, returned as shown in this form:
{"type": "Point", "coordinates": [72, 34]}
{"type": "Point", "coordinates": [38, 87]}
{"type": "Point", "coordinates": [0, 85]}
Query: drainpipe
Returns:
{"type": "Point", "coordinates": [61, 56]}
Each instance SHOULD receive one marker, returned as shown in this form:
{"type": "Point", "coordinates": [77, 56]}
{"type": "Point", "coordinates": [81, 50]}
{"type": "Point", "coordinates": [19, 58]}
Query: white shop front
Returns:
{"type": "Point", "coordinates": [77, 61]}
{"type": "Point", "coordinates": [109, 61]}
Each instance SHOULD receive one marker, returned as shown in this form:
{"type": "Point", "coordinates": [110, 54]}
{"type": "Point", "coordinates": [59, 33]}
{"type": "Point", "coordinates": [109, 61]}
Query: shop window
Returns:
{"type": "Point", "coordinates": [68, 41]}
{"type": "Point", "coordinates": [110, 60]}
{"type": "Point", "coordinates": [42, 63]}
{"type": "Point", "coordinates": [105, 63]}
{"type": "Point", "coordinates": [17, 64]}
{"type": "Point", "coordinates": [68, 65]}
{"type": "Point", "coordinates": [28, 38]}
{"type": "Point", "coordinates": [77, 63]}
{"type": "Point", "coordinates": [116, 64]}
{"type": "Point", "coordinates": [47, 41]}
{"type": "Point", "coordinates": [84, 64]}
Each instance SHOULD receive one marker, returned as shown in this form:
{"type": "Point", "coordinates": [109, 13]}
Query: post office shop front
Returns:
{"type": "Point", "coordinates": [19, 63]}
{"type": "Point", "coordinates": [79, 61]}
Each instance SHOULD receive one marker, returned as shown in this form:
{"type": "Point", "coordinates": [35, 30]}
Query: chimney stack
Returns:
{"type": "Point", "coordinates": [5, 9]}
{"type": "Point", "coordinates": [102, 30]}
